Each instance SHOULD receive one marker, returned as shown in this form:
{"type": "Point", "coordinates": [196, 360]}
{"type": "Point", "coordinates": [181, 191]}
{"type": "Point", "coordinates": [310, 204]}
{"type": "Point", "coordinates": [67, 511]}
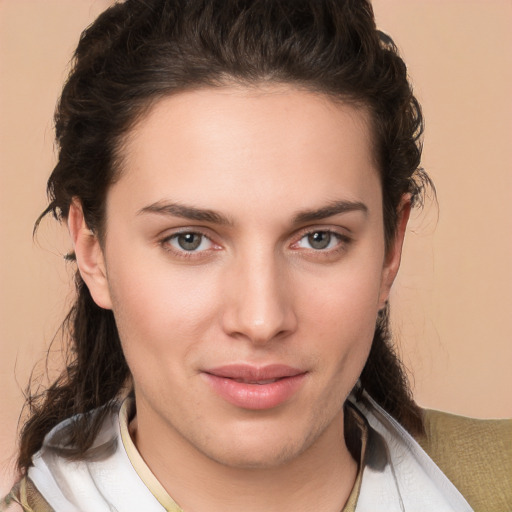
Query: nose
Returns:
{"type": "Point", "coordinates": [258, 301]}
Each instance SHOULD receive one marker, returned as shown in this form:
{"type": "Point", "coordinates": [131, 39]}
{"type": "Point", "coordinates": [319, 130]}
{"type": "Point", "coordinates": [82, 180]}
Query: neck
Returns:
{"type": "Point", "coordinates": [320, 478]}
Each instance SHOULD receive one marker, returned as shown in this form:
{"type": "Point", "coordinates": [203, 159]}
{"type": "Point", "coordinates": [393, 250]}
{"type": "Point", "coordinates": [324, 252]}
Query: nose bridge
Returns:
{"type": "Point", "coordinates": [261, 307]}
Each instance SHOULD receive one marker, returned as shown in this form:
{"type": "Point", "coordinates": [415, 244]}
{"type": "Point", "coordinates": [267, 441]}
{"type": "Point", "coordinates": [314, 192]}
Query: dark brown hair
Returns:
{"type": "Point", "coordinates": [139, 51]}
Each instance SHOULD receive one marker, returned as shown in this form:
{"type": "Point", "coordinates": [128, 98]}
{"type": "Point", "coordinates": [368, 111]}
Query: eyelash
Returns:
{"type": "Point", "coordinates": [342, 244]}
{"type": "Point", "coordinates": [183, 253]}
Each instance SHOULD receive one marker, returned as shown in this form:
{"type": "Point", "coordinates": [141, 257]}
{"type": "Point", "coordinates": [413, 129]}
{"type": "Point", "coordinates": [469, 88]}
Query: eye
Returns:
{"type": "Point", "coordinates": [189, 242]}
{"type": "Point", "coordinates": [320, 240]}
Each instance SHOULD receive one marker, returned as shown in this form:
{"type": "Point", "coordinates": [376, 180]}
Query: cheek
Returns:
{"type": "Point", "coordinates": [159, 312]}
{"type": "Point", "coordinates": [341, 315]}
{"type": "Point", "coordinates": [345, 297]}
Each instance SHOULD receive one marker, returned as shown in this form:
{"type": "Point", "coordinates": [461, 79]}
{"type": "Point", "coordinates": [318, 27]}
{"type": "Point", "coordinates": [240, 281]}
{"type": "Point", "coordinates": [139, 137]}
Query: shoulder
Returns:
{"type": "Point", "coordinates": [57, 476]}
{"type": "Point", "coordinates": [24, 497]}
{"type": "Point", "coordinates": [475, 454]}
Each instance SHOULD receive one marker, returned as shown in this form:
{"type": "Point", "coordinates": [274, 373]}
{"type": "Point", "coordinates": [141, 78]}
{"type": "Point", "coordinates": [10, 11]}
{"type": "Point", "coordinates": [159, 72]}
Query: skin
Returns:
{"type": "Point", "coordinates": [268, 162]}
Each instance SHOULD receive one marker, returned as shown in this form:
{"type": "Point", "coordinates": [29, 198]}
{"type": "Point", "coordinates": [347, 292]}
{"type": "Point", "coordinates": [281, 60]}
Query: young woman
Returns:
{"type": "Point", "coordinates": [237, 178]}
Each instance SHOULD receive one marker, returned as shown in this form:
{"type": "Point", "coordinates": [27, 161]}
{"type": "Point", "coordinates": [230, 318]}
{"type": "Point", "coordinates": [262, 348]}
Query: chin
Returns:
{"type": "Point", "coordinates": [256, 459]}
{"type": "Point", "coordinates": [262, 449]}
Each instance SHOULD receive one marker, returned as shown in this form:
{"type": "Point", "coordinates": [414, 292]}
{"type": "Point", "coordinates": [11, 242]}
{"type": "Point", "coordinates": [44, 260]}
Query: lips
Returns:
{"type": "Point", "coordinates": [255, 388]}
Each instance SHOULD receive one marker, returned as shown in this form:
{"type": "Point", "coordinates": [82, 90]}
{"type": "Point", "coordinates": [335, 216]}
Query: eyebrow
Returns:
{"type": "Point", "coordinates": [205, 215]}
{"type": "Point", "coordinates": [334, 208]}
{"type": "Point", "coordinates": [185, 212]}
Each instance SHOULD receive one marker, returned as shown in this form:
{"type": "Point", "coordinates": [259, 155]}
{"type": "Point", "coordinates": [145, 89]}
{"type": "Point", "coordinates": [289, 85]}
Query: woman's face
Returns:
{"type": "Point", "coordinates": [244, 262]}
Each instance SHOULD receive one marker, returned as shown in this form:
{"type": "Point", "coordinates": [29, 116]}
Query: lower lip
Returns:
{"type": "Point", "coordinates": [255, 396]}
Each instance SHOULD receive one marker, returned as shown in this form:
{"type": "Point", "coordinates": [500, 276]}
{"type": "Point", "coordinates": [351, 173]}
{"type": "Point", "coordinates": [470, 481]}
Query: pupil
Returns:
{"type": "Point", "coordinates": [189, 241]}
{"type": "Point", "coordinates": [319, 239]}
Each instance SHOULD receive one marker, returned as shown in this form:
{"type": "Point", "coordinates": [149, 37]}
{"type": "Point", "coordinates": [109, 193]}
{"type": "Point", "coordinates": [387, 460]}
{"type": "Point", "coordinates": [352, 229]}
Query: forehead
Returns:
{"type": "Point", "coordinates": [271, 143]}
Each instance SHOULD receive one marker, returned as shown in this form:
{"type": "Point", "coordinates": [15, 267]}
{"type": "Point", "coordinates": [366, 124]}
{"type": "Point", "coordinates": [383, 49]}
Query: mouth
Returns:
{"type": "Point", "coordinates": [258, 382]}
{"type": "Point", "coordinates": [255, 388]}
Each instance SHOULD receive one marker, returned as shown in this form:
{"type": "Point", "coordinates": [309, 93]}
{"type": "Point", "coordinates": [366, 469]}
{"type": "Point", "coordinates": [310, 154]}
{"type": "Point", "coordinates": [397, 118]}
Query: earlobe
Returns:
{"type": "Point", "coordinates": [394, 253]}
{"type": "Point", "coordinates": [89, 256]}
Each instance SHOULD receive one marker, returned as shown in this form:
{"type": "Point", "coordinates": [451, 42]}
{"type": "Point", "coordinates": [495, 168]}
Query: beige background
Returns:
{"type": "Point", "coordinates": [453, 299]}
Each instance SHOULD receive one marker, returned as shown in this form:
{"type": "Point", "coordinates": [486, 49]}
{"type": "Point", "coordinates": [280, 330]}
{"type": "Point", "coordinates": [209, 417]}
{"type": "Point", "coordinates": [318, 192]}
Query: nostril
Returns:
{"type": "Point", "coordinates": [258, 305]}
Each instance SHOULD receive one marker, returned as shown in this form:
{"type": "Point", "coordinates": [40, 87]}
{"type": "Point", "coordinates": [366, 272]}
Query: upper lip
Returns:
{"type": "Point", "coordinates": [250, 373]}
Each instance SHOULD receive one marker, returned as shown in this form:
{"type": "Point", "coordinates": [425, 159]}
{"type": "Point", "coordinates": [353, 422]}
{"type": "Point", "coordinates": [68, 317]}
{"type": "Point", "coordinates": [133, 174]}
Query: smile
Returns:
{"type": "Point", "coordinates": [248, 387]}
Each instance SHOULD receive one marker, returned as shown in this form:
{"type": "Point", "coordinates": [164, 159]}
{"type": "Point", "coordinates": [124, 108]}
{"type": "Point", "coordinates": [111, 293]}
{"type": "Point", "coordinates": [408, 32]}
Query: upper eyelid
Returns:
{"type": "Point", "coordinates": [166, 238]}
{"type": "Point", "coordinates": [343, 243]}
{"type": "Point", "coordinates": [198, 230]}
{"type": "Point", "coordinates": [339, 231]}
{"type": "Point", "coordinates": [166, 244]}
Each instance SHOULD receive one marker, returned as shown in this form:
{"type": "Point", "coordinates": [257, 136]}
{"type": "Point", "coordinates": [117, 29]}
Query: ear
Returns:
{"type": "Point", "coordinates": [89, 256]}
{"type": "Point", "coordinates": [394, 253]}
